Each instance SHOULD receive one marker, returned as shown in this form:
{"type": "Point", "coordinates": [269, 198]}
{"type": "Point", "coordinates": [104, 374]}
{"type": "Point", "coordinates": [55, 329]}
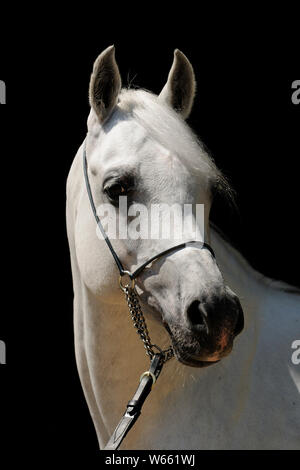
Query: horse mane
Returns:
{"type": "Point", "coordinates": [167, 127]}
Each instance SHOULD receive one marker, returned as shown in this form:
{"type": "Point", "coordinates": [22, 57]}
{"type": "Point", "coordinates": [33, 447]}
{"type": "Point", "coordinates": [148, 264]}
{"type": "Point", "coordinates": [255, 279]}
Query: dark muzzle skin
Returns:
{"type": "Point", "coordinates": [206, 336]}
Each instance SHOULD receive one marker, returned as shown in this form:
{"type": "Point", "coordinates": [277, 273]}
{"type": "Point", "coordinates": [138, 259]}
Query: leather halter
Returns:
{"type": "Point", "coordinates": [148, 378]}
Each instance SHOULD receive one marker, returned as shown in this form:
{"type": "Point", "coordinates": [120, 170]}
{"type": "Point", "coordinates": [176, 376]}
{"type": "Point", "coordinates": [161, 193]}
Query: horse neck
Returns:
{"type": "Point", "coordinates": [239, 276]}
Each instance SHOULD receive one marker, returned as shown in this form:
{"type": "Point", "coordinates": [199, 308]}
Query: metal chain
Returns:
{"type": "Point", "coordinates": [140, 324]}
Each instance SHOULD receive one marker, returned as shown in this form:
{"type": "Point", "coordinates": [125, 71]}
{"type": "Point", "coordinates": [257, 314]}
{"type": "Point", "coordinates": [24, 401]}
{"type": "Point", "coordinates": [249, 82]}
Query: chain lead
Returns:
{"type": "Point", "coordinates": [140, 324]}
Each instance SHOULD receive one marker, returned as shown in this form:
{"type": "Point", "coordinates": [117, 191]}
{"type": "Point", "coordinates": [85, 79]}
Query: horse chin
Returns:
{"type": "Point", "coordinates": [192, 362]}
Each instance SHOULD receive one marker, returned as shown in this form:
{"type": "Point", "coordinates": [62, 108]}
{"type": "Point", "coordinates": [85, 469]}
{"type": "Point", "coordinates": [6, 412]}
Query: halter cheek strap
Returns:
{"type": "Point", "coordinates": [104, 234]}
{"type": "Point", "coordinates": [122, 271]}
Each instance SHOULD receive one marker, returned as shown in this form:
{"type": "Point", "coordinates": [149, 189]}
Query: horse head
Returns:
{"type": "Point", "coordinates": [139, 147]}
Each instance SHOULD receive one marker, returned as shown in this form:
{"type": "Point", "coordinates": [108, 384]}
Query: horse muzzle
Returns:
{"type": "Point", "coordinates": [208, 332]}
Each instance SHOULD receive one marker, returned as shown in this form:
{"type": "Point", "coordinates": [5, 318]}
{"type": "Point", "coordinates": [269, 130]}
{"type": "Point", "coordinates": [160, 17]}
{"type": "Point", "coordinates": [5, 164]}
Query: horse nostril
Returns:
{"type": "Point", "coordinates": [196, 315]}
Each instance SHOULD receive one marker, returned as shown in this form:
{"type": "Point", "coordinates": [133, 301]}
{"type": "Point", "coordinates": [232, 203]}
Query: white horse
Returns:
{"type": "Point", "coordinates": [247, 400]}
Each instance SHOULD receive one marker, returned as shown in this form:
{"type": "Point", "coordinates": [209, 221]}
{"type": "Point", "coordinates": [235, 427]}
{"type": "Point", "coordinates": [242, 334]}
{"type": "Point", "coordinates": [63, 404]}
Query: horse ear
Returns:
{"type": "Point", "coordinates": [105, 84]}
{"type": "Point", "coordinates": [180, 89]}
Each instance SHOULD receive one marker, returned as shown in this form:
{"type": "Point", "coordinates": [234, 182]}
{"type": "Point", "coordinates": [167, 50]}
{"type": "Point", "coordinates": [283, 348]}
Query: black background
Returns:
{"type": "Point", "coordinates": [243, 113]}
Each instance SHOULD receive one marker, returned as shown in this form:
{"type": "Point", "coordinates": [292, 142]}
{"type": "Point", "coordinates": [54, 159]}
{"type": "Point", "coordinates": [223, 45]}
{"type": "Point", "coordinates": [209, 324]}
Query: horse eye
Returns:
{"type": "Point", "coordinates": [114, 191]}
